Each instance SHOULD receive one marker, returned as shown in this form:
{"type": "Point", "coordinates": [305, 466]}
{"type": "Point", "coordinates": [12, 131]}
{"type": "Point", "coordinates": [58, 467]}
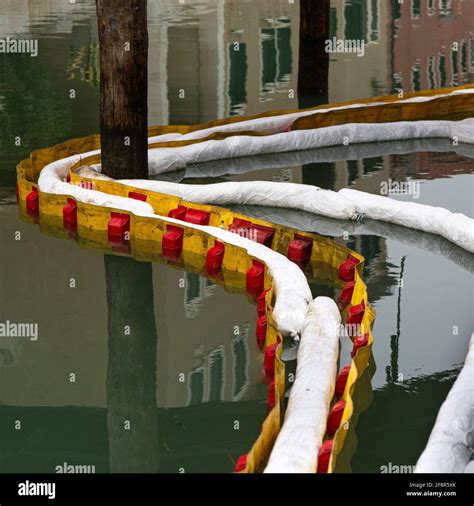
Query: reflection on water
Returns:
{"type": "Point", "coordinates": [235, 57]}
{"type": "Point", "coordinates": [404, 411]}
{"type": "Point", "coordinates": [159, 380]}
{"type": "Point", "coordinates": [246, 54]}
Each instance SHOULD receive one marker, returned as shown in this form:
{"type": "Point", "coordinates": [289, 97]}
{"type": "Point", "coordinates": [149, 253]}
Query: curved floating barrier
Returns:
{"type": "Point", "coordinates": [449, 448]}
{"type": "Point", "coordinates": [337, 228]}
{"type": "Point", "coordinates": [134, 217]}
{"type": "Point", "coordinates": [308, 417]}
{"type": "Point", "coordinates": [111, 216]}
{"type": "Point", "coordinates": [345, 204]}
{"type": "Point", "coordinates": [445, 114]}
{"type": "Point", "coordinates": [439, 113]}
{"type": "Point", "coordinates": [243, 165]}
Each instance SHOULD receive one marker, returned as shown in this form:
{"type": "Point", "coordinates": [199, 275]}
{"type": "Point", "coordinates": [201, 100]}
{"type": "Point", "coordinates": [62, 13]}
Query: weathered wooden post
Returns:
{"type": "Point", "coordinates": [132, 413]}
{"type": "Point", "coordinates": [131, 374]}
{"type": "Point", "coordinates": [313, 76]}
{"type": "Point", "coordinates": [313, 59]}
{"type": "Point", "coordinates": [123, 39]}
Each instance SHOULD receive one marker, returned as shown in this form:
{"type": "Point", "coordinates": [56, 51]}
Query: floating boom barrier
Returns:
{"type": "Point", "coordinates": [228, 259]}
{"type": "Point", "coordinates": [449, 448]}
{"type": "Point", "coordinates": [61, 188]}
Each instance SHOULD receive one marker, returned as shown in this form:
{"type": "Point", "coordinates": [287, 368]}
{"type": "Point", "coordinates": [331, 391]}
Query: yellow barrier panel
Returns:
{"type": "Point", "coordinates": [358, 367]}
{"type": "Point", "coordinates": [454, 108]}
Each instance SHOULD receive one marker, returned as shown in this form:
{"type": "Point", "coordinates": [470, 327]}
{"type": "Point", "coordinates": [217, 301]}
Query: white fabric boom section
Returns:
{"type": "Point", "coordinates": [281, 122]}
{"type": "Point", "coordinates": [246, 164]}
{"type": "Point", "coordinates": [298, 443]}
{"type": "Point", "coordinates": [264, 193]}
{"type": "Point", "coordinates": [163, 160]}
{"type": "Point", "coordinates": [345, 204]}
{"type": "Point", "coordinates": [451, 442]}
{"type": "Point", "coordinates": [455, 227]}
{"type": "Point", "coordinates": [291, 287]}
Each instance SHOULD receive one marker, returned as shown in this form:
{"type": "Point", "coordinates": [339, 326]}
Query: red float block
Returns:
{"type": "Point", "coordinates": [70, 215]}
{"type": "Point", "coordinates": [137, 196]}
{"type": "Point", "coordinates": [271, 396]}
{"type": "Point", "coordinates": [240, 227]}
{"type": "Point", "coordinates": [214, 258]}
{"type": "Point", "coordinates": [341, 381]}
{"type": "Point", "coordinates": [172, 245]}
{"type": "Point", "coordinates": [255, 278]}
{"type": "Point", "coordinates": [261, 331]}
{"type": "Point", "coordinates": [178, 214]}
{"type": "Point", "coordinates": [197, 217]}
{"type": "Point", "coordinates": [32, 202]}
{"type": "Point", "coordinates": [300, 249]}
{"type": "Point", "coordinates": [241, 463]}
{"type": "Point", "coordinates": [269, 361]}
{"type": "Point", "coordinates": [262, 235]}
{"type": "Point", "coordinates": [324, 456]}
{"type": "Point", "coordinates": [118, 228]}
{"type": "Point", "coordinates": [360, 342]}
{"type": "Point", "coordinates": [335, 417]}
{"type": "Point", "coordinates": [262, 303]}
{"type": "Point", "coordinates": [346, 295]}
{"type": "Point", "coordinates": [355, 314]}
{"type": "Point", "coordinates": [347, 268]}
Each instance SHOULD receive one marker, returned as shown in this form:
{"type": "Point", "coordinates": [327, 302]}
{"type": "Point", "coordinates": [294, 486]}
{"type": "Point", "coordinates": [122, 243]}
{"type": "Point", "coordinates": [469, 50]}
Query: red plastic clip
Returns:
{"type": "Point", "coordinates": [347, 268]}
{"type": "Point", "coordinates": [178, 214]}
{"type": "Point", "coordinates": [197, 217]}
{"type": "Point", "coordinates": [214, 258]}
{"type": "Point", "coordinates": [346, 295]}
{"type": "Point", "coordinates": [262, 235]}
{"type": "Point", "coordinates": [32, 202]}
{"type": "Point", "coordinates": [341, 381]}
{"type": "Point", "coordinates": [335, 417]}
{"type": "Point", "coordinates": [324, 455]}
{"type": "Point", "coordinates": [269, 361]}
{"type": "Point", "coordinates": [271, 401]}
{"type": "Point", "coordinates": [360, 342]}
{"type": "Point", "coordinates": [70, 215]}
{"type": "Point", "coordinates": [241, 463]}
{"type": "Point", "coordinates": [261, 332]}
{"type": "Point", "coordinates": [172, 245]}
{"type": "Point", "coordinates": [118, 228]}
{"type": "Point", "coordinates": [137, 196]}
{"type": "Point", "coordinates": [262, 303]}
{"type": "Point", "coordinates": [255, 278]}
{"type": "Point", "coordinates": [299, 250]}
{"type": "Point", "coordinates": [240, 227]}
{"type": "Point", "coordinates": [355, 314]}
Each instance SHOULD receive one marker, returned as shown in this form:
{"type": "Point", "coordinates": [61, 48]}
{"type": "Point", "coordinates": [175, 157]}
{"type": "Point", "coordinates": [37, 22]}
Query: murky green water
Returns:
{"type": "Point", "coordinates": [69, 391]}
